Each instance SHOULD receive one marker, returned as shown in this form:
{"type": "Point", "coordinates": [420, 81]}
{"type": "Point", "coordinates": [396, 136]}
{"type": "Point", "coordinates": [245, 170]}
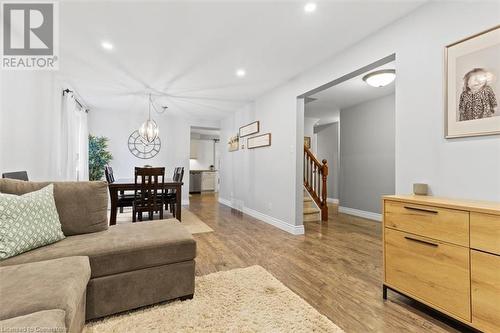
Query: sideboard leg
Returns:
{"type": "Point", "coordinates": [384, 291]}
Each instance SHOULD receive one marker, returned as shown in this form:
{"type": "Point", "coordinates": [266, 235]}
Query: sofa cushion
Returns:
{"type": "Point", "coordinates": [121, 248]}
{"type": "Point", "coordinates": [45, 285]}
{"type": "Point", "coordinates": [82, 206]}
{"type": "Point", "coordinates": [41, 321]}
{"type": "Point", "coordinates": [28, 221]}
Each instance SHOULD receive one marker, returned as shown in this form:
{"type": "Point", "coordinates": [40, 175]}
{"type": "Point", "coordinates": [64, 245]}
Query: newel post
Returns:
{"type": "Point", "coordinates": [324, 204]}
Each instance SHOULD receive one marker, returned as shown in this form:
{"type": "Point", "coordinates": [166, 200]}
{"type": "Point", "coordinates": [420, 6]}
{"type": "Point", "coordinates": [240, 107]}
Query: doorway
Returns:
{"type": "Point", "coordinates": [350, 122]}
{"type": "Point", "coordinates": [204, 160]}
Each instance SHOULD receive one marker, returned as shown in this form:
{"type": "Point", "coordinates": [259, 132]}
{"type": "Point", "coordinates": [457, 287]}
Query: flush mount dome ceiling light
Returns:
{"type": "Point", "coordinates": [380, 78]}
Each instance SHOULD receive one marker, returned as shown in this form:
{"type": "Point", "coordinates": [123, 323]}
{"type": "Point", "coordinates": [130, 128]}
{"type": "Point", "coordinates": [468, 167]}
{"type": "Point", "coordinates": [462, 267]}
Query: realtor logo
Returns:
{"type": "Point", "coordinates": [30, 35]}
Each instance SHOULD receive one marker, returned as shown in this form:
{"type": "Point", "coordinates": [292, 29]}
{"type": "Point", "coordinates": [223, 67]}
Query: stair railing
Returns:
{"type": "Point", "coordinates": [315, 181]}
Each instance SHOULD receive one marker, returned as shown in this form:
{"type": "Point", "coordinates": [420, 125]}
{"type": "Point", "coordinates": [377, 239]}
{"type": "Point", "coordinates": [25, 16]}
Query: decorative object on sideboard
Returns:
{"type": "Point", "coordinates": [472, 87]}
{"type": "Point", "coordinates": [420, 189]}
{"type": "Point", "coordinates": [307, 142]}
{"type": "Point", "coordinates": [259, 141]}
{"type": "Point", "coordinates": [249, 129]}
{"type": "Point", "coordinates": [99, 156]}
{"type": "Point", "coordinates": [234, 143]}
{"type": "Point", "coordinates": [141, 148]}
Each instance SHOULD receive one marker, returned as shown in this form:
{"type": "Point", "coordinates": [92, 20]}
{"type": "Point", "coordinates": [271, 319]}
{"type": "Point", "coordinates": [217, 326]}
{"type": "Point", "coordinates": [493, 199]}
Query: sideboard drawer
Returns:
{"type": "Point", "coordinates": [485, 232]}
{"type": "Point", "coordinates": [443, 224]}
{"type": "Point", "coordinates": [485, 283]}
{"type": "Point", "coordinates": [429, 270]}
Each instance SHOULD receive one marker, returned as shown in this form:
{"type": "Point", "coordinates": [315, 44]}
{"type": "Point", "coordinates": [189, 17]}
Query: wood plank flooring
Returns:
{"type": "Point", "coordinates": [336, 267]}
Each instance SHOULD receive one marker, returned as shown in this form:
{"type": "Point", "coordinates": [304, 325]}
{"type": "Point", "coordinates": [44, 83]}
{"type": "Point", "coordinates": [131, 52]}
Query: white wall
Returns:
{"type": "Point", "coordinates": [309, 124]}
{"type": "Point", "coordinates": [367, 154]}
{"type": "Point", "coordinates": [30, 123]}
{"type": "Point", "coordinates": [175, 134]}
{"type": "Point", "coordinates": [462, 168]}
{"type": "Point", "coordinates": [204, 155]}
{"type": "Point", "coordinates": [261, 181]}
{"type": "Point", "coordinates": [328, 149]}
{"type": "Point", "coordinates": [30, 130]}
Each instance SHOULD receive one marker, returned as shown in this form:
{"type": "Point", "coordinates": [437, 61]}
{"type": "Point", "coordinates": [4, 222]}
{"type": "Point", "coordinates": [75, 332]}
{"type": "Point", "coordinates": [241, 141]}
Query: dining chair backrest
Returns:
{"type": "Point", "coordinates": [178, 174]}
{"type": "Point", "coordinates": [19, 175]}
{"type": "Point", "coordinates": [150, 185]}
{"type": "Point", "coordinates": [108, 172]}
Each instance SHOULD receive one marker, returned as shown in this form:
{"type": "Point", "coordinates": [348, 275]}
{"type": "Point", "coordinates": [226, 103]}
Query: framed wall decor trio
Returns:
{"type": "Point", "coordinates": [256, 141]}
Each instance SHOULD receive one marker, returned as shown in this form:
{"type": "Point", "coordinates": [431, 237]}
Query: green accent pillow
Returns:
{"type": "Point", "coordinates": [28, 221]}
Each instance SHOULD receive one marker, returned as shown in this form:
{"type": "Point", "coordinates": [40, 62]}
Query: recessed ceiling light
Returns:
{"type": "Point", "coordinates": [380, 78]}
{"type": "Point", "coordinates": [107, 45]}
{"type": "Point", "coordinates": [241, 72]}
{"type": "Point", "coordinates": [310, 7]}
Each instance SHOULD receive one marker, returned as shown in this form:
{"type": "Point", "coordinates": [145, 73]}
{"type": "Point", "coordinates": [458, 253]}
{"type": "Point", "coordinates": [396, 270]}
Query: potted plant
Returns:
{"type": "Point", "coordinates": [99, 156]}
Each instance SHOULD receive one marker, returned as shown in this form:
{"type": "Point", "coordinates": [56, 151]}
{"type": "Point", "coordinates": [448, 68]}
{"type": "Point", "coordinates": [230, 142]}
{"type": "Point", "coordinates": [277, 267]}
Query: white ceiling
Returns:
{"type": "Point", "coordinates": [352, 92]}
{"type": "Point", "coordinates": [187, 52]}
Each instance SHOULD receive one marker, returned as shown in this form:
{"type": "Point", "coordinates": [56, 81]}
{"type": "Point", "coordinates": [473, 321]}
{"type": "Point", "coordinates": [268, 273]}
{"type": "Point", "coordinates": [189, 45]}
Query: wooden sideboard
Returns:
{"type": "Point", "coordinates": [446, 254]}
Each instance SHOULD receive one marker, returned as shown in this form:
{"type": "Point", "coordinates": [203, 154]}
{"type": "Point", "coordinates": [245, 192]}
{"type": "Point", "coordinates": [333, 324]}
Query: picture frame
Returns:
{"type": "Point", "coordinates": [307, 142]}
{"type": "Point", "coordinates": [259, 141]}
{"type": "Point", "coordinates": [472, 85]}
{"type": "Point", "coordinates": [249, 129]}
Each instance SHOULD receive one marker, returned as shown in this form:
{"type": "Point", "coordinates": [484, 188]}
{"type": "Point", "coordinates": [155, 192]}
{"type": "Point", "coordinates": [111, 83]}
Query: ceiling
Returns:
{"type": "Point", "coordinates": [186, 53]}
{"type": "Point", "coordinates": [326, 104]}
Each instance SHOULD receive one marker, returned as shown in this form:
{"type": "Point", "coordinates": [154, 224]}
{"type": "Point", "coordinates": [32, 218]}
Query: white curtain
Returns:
{"type": "Point", "coordinates": [74, 140]}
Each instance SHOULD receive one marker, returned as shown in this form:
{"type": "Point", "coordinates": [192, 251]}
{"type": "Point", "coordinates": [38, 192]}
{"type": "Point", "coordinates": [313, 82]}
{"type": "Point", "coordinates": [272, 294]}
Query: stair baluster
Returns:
{"type": "Point", "coordinates": [315, 181]}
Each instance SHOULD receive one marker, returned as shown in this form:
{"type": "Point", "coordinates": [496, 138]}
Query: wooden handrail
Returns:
{"type": "Point", "coordinates": [315, 180]}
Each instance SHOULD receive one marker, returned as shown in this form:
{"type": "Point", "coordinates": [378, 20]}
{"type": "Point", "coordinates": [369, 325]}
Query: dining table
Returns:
{"type": "Point", "coordinates": [128, 184]}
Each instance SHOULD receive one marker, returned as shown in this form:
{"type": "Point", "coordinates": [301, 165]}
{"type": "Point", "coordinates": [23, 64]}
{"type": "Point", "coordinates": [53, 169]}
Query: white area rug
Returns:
{"type": "Point", "coordinates": [192, 222]}
{"type": "Point", "coordinates": [240, 300]}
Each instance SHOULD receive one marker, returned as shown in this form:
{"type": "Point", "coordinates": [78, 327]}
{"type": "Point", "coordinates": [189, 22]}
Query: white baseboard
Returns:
{"type": "Point", "coordinates": [361, 213]}
{"type": "Point", "coordinates": [225, 202]}
{"type": "Point", "coordinates": [293, 229]}
{"type": "Point", "coordinates": [332, 200]}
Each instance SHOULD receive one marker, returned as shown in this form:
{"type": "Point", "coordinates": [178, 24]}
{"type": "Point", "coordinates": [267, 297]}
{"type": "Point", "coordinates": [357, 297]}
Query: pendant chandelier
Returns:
{"type": "Point", "coordinates": [149, 129]}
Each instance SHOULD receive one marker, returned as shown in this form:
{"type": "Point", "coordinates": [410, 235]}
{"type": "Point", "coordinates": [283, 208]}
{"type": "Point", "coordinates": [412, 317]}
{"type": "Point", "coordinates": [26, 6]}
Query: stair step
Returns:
{"type": "Point", "coordinates": [307, 199]}
{"type": "Point", "coordinates": [310, 204]}
{"type": "Point", "coordinates": [312, 217]}
{"type": "Point", "coordinates": [311, 210]}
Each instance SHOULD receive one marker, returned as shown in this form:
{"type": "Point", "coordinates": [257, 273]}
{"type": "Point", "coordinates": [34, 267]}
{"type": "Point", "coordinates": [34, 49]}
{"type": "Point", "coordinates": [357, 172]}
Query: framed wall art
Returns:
{"type": "Point", "coordinates": [472, 85]}
{"type": "Point", "coordinates": [249, 129]}
{"type": "Point", "coordinates": [258, 141]}
{"type": "Point", "coordinates": [307, 142]}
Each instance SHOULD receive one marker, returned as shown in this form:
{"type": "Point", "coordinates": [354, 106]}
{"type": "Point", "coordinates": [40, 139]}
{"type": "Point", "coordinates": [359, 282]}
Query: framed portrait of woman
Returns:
{"type": "Point", "coordinates": [472, 85]}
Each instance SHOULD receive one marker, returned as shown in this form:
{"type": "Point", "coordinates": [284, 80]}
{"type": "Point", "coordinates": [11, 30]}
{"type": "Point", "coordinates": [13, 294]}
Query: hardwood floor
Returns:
{"type": "Point", "coordinates": [336, 267]}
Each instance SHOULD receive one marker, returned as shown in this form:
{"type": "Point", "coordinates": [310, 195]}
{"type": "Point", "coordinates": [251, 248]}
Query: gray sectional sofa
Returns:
{"type": "Point", "coordinates": [96, 270]}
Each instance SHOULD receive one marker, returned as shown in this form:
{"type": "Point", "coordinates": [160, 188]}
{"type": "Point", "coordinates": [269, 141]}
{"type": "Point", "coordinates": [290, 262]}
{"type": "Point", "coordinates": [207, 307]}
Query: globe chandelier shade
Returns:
{"type": "Point", "coordinates": [149, 129]}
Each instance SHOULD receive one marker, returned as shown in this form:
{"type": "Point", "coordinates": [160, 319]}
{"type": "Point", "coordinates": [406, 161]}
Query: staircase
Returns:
{"type": "Point", "coordinates": [311, 212]}
{"type": "Point", "coordinates": [315, 180]}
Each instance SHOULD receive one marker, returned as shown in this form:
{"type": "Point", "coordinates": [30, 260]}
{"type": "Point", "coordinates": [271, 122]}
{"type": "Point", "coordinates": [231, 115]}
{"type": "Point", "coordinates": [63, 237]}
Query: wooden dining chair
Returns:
{"type": "Point", "coordinates": [19, 175]}
{"type": "Point", "coordinates": [171, 196]}
{"type": "Point", "coordinates": [124, 199]}
{"type": "Point", "coordinates": [149, 192]}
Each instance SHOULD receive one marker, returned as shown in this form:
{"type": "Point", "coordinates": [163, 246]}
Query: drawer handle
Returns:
{"type": "Point", "coordinates": [421, 241]}
{"type": "Point", "coordinates": [422, 210]}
